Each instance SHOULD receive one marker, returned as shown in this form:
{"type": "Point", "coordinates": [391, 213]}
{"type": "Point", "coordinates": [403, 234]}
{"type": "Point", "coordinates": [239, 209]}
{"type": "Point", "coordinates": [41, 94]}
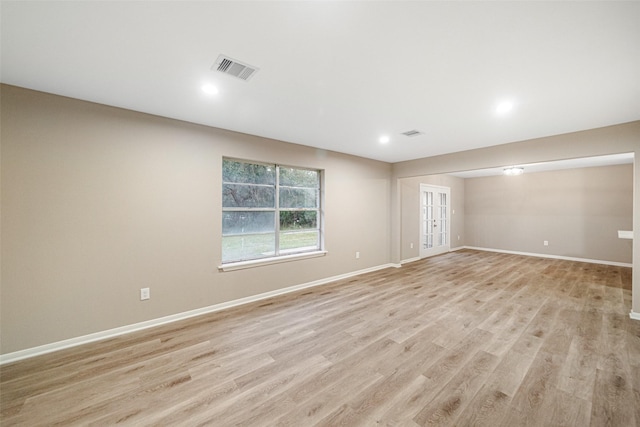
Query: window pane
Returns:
{"type": "Point", "coordinates": [253, 198]}
{"type": "Point", "coordinates": [248, 246]}
{"type": "Point", "coordinates": [298, 198]}
{"type": "Point", "coordinates": [299, 177]}
{"type": "Point", "coordinates": [296, 241]}
{"type": "Point", "coordinates": [298, 220]}
{"type": "Point", "coordinates": [247, 196]}
{"type": "Point", "coordinates": [247, 222]}
{"type": "Point", "coordinates": [248, 173]}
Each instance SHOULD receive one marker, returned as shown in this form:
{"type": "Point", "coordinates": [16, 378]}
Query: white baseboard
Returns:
{"type": "Point", "coordinates": [634, 315]}
{"type": "Point", "coordinates": [73, 342]}
{"type": "Point", "coordinates": [414, 259]}
{"type": "Point", "coordinates": [407, 261]}
{"type": "Point", "coordinates": [591, 261]}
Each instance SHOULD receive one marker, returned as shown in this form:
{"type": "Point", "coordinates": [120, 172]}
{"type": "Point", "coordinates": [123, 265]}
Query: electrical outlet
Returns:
{"type": "Point", "coordinates": [145, 293]}
{"type": "Point", "coordinates": [546, 243]}
{"type": "Point", "coordinates": [357, 255]}
{"type": "Point", "coordinates": [411, 245]}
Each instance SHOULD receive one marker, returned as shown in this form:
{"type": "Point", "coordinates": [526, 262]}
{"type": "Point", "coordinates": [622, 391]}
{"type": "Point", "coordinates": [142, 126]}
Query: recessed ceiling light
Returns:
{"type": "Point", "coordinates": [210, 89]}
{"type": "Point", "coordinates": [384, 139]}
{"type": "Point", "coordinates": [504, 107]}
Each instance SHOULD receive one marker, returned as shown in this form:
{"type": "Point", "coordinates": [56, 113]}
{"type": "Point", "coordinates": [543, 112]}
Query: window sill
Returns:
{"type": "Point", "coordinates": [268, 261]}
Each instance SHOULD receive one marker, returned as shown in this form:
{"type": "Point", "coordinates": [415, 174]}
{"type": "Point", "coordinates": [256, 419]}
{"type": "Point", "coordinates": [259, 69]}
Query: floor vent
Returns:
{"type": "Point", "coordinates": [413, 132]}
{"type": "Point", "coordinates": [234, 68]}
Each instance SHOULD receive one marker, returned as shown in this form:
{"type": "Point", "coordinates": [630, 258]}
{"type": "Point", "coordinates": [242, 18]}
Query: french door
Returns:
{"type": "Point", "coordinates": [434, 220]}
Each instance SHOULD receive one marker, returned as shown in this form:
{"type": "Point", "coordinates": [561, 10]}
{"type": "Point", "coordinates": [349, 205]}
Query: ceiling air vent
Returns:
{"type": "Point", "coordinates": [234, 68]}
{"type": "Point", "coordinates": [413, 132]}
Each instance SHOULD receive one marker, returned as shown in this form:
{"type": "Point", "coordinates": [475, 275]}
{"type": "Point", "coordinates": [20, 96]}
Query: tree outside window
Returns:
{"type": "Point", "coordinates": [268, 210]}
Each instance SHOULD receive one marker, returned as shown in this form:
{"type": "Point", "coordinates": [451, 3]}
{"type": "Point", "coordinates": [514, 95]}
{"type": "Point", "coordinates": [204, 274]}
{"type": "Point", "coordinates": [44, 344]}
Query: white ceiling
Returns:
{"type": "Point", "coordinates": [585, 162]}
{"type": "Point", "coordinates": [338, 75]}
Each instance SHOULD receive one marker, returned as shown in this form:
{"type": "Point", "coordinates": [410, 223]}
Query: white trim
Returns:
{"type": "Point", "coordinates": [625, 234]}
{"type": "Point", "coordinates": [110, 333]}
{"type": "Point", "coordinates": [634, 315]}
{"type": "Point", "coordinates": [268, 261]}
{"type": "Point", "coordinates": [410, 260]}
{"type": "Point", "coordinates": [437, 250]}
{"type": "Point", "coordinates": [592, 261]}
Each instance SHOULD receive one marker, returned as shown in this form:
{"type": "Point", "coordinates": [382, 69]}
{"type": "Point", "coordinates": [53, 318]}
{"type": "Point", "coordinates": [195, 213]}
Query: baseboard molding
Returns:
{"type": "Point", "coordinates": [566, 258]}
{"type": "Point", "coordinates": [111, 333]}
{"type": "Point", "coordinates": [414, 259]}
{"type": "Point", "coordinates": [634, 315]}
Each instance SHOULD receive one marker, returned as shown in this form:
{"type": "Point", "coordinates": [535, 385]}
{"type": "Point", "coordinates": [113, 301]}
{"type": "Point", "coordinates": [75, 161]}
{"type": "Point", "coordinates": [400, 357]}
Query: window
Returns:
{"type": "Point", "coordinates": [268, 210]}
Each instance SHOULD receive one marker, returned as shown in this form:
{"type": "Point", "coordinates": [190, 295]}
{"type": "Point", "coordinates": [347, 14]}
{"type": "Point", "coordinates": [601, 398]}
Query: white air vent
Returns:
{"type": "Point", "coordinates": [413, 132]}
{"type": "Point", "coordinates": [234, 68]}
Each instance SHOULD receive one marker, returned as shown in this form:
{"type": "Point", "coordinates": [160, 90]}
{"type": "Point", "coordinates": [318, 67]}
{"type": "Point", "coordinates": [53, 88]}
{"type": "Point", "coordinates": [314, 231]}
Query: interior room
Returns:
{"type": "Point", "coordinates": [319, 213]}
{"type": "Point", "coordinates": [581, 202]}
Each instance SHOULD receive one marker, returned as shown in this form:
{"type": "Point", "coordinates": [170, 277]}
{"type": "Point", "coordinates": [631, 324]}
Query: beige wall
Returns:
{"type": "Point", "coordinates": [98, 202]}
{"type": "Point", "coordinates": [410, 197]}
{"type": "Point", "coordinates": [578, 211]}
{"type": "Point", "coordinates": [624, 138]}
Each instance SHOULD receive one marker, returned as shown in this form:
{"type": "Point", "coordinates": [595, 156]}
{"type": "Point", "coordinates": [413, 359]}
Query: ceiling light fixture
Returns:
{"type": "Point", "coordinates": [384, 139]}
{"type": "Point", "coordinates": [513, 171]}
{"type": "Point", "coordinates": [504, 107]}
{"type": "Point", "coordinates": [210, 89]}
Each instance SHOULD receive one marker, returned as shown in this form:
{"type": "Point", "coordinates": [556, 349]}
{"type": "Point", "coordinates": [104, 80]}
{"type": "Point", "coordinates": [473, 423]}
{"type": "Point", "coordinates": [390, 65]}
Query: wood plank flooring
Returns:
{"type": "Point", "coordinates": [467, 338]}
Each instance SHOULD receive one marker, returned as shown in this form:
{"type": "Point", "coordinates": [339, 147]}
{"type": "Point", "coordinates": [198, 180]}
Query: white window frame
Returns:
{"type": "Point", "coordinates": [285, 255]}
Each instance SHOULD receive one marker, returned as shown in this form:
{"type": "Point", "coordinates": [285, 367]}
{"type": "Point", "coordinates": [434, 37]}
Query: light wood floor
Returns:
{"type": "Point", "coordinates": [467, 338]}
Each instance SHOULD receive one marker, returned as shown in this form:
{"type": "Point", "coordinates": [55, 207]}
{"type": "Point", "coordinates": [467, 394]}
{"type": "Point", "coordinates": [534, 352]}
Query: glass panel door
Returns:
{"type": "Point", "coordinates": [434, 220]}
